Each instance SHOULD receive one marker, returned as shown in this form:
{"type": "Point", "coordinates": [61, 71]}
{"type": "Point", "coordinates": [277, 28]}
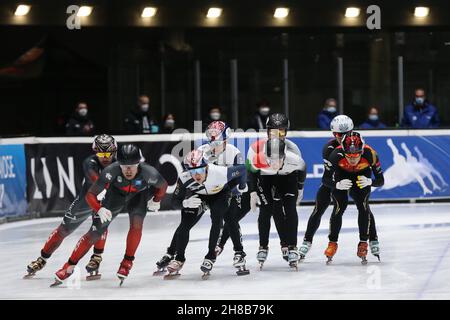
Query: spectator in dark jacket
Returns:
{"type": "Point", "coordinates": [79, 123]}
{"type": "Point", "coordinates": [214, 114]}
{"type": "Point", "coordinates": [420, 113]}
{"type": "Point", "coordinates": [327, 114]}
{"type": "Point", "coordinates": [258, 120]}
{"type": "Point", "coordinates": [373, 120]}
{"type": "Point", "coordinates": [168, 123]}
{"type": "Point", "coordinates": [139, 120]}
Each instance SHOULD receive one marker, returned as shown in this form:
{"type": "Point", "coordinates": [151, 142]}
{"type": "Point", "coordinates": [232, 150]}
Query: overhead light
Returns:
{"type": "Point", "coordinates": [148, 12]}
{"type": "Point", "coordinates": [281, 13]}
{"type": "Point", "coordinates": [352, 12]}
{"type": "Point", "coordinates": [84, 11]}
{"type": "Point", "coordinates": [214, 13]}
{"type": "Point", "coordinates": [421, 12]}
{"type": "Point", "coordinates": [22, 10]}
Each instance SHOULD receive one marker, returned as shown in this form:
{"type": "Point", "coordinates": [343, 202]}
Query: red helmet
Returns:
{"type": "Point", "coordinates": [352, 143]}
{"type": "Point", "coordinates": [194, 159]}
{"type": "Point", "coordinates": [217, 131]}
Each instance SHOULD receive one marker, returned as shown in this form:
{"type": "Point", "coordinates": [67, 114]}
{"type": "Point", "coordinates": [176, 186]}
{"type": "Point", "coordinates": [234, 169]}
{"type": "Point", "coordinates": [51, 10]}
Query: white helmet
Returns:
{"type": "Point", "coordinates": [341, 124]}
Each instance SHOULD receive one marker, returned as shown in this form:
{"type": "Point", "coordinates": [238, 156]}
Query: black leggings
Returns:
{"type": "Point", "coordinates": [323, 200]}
{"type": "Point", "coordinates": [340, 198]}
{"type": "Point", "coordinates": [278, 196]}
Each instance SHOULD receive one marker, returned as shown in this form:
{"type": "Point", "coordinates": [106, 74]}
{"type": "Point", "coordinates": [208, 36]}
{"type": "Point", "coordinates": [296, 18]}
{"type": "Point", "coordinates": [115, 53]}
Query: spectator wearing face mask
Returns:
{"type": "Point", "coordinates": [139, 120]}
{"type": "Point", "coordinates": [215, 114]}
{"type": "Point", "coordinates": [258, 120]}
{"type": "Point", "coordinates": [420, 113]}
{"type": "Point", "coordinates": [327, 114]}
{"type": "Point", "coordinates": [168, 124]}
{"type": "Point", "coordinates": [79, 123]}
{"type": "Point", "coordinates": [373, 120]}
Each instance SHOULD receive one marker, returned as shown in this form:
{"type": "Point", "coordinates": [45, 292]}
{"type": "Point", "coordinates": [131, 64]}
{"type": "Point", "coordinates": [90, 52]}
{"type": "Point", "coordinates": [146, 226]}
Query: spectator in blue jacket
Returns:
{"type": "Point", "coordinates": [420, 113]}
{"type": "Point", "coordinates": [373, 120]}
{"type": "Point", "coordinates": [327, 114]}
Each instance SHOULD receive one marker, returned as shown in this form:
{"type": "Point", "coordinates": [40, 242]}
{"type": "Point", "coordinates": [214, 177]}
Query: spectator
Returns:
{"type": "Point", "coordinates": [169, 124]}
{"type": "Point", "coordinates": [373, 120]}
{"type": "Point", "coordinates": [139, 120]}
{"type": "Point", "coordinates": [420, 113]}
{"type": "Point", "coordinates": [215, 114]}
{"type": "Point", "coordinates": [327, 114]}
{"type": "Point", "coordinates": [258, 120]}
{"type": "Point", "coordinates": [79, 124]}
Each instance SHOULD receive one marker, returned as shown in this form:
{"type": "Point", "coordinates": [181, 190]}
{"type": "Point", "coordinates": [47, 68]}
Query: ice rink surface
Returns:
{"type": "Point", "coordinates": [415, 261]}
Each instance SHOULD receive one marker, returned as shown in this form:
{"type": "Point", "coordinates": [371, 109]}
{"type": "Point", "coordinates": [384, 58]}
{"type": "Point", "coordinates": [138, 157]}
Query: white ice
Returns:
{"type": "Point", "coordinates": [415, 261]}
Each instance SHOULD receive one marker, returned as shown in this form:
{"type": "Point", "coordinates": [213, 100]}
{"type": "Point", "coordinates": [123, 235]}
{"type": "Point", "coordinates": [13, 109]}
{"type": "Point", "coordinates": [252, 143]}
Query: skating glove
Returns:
{"type": "Point", "coordinates": [192, 202]}
{"type": "Point", "coordinates": [104, 215]}
{"type": "Point", "coordinates": [153, 205]}
{"type": "Point", "coordinates": [299, 197]}
{"type": "Point", "coordinates": [344, 184]}
{"type": "Point", "coordinates": [363, 182]}
{"type": "Point", "coordinates": [254, 200]}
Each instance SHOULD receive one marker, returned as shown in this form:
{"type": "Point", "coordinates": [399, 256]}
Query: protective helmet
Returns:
{"type": "Point", "coordinates": [341, 124]}
{"type": "Point", "coordinates": [104, 143]}
{"type": "Point", "coordinates": [277, 121]}
{"type": "Point", "coordinates": [352, 143]}
{"type": "Point", "coordinates": [275, 148]}
{"type": "Point", "coordinates": [194, 160]}
{"type": "Point", "coordinates": [128, 154]}
{"type": "Point", "coordinates": [217, 131]}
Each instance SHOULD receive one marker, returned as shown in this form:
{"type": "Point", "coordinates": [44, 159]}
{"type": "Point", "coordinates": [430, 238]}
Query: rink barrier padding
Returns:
{"type": "Point", "coordinates": [45, 174]}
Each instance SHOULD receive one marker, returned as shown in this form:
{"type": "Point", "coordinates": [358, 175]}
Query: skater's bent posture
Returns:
{"type": "Point", "coordinates": [351, 167]}
{"type": "Point", "coordinates": [105, 148]}
{"type": "Point", "coordinates": [281, 178]}
{"type": "Point", "coordinates": [201, 186]}
{"type": "Point", "coordinates": [131, 186]}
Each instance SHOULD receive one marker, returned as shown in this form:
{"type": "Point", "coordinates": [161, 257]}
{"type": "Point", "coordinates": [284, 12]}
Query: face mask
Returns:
{"type": "Point", "coordinates": [331, 109]}
{"type": "Point", "coordinates": [264, 111]}
{"type": "Point", "coordinates": [420, 100]}
{"type": "Point", "coordinates": [144, 107]}
{"type": "Point", "coordinates": [170, 123]}
{"type": "Point", "coordinates": [215, 115]}
{"type": "Point", "coordinates": [373, 117]}
{"type": "Point", "coordinates": [83, 112]}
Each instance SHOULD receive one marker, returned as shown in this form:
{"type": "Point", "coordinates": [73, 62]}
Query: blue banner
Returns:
{"type": "Point", "coordinates": [13, 200]}
{"type": "Point", "coordinates": [415, 167]}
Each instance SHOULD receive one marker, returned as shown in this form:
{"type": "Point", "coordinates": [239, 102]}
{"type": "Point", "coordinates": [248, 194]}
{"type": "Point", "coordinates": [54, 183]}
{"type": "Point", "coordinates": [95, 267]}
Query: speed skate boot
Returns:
{"type": "Point", "coordinates": [293, 257]}
{"type": "Point", "coordinates": [261, 256]}
{"type": "Point", "coordinates": [173, 269]}
{"type": "Point", "coordinates": [303, 250]}
{"type": "Point", "coordinates": [34, 267]}
{"type": "Point", "coordinates": [239, 263]}
{"type": "Point", "coordinates": [162, 264]}
{"type": "Point", "coordinates": [124, 270]}
{"type": "Point", "coordinates": [62, 274]}
{"type": "Point", "coordinates": [330, 251]}
{"type": "Point", "coordinates": [375, 248]}
{"type": "Point", "coordinates": [206, 268]}
{"type": "Point", "coordinates": [362, 251]}
{"type": "Point", "coordinates": [93, 266]}
{"type": "Point", "coordinates": [285, 253]}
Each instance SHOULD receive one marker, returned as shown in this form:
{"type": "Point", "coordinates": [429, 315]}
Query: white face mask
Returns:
{"type": "Point", "coordinates": [331, 109]}
{"type": "Point", "coordinates": [373, 117]}
{"type": "Point", "coordinates": [215, 115]}
{"type": "Point", "coordinates": [83, 112]}
{"type": "Point", "coordinates": [264, 111]}
{"type": "Point", "coordinates": [144, 107]}
{"type": "Point", "coordinates": [170, 123]}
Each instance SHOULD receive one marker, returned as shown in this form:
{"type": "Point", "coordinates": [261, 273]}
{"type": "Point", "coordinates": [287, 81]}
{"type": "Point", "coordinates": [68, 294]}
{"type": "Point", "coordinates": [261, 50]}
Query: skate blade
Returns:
{"type": "Point", "coordinates": [329, 261]}
{"type": "Point", "coordinates": [205, 276]}
{"type": "Point", "coordinates": [56, 283]}
{"type": "Point", "coordinates": [378, 257]}
{"type": "Point", "coordinates": [159, 272]}
{"type": "Point", "coordinates": [364, 260]}
{"type": "Point", "coordinates": [172, 276]}
{"type": "Point", "coordinates": [261, 265]}
{"type": "Point", "coordinates": [121, 278]}
{"type": "Point", "coordinates": [29, 276]}
{"type": "Point", "coordinates": [243, 272]}
{"type": "Point", "coordinates": [93, 277]}
{"type": "Point", "coordinates": [293, 267]}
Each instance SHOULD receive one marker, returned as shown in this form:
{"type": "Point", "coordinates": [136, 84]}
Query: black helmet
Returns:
{"type": "Point", "coordinates": [277, 121]}
{"type": "Point", "coordinates": [128, 154]}
{"type": "Point", "coordinates": [104, 143]}
{"type": "Point", "coordinates": [275, 148]}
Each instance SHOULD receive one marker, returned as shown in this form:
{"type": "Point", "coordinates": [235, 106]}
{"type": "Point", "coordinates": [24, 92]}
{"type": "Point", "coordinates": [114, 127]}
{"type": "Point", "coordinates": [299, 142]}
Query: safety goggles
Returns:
{"type": "Point", "coordinates": [339, 134]}
{"type": "Point", "coordinates": [126, 166]}
{"type": "Point", "coordinates": [104, 154]}
{"type": "Point", "coordinates": [217, 143]}
{"type": "Point", "coordinates": [200, 170]}
{"type": "Point", "coordinates": [277, 133]}
{"type": "Point", "coordinates": [352, 155]}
